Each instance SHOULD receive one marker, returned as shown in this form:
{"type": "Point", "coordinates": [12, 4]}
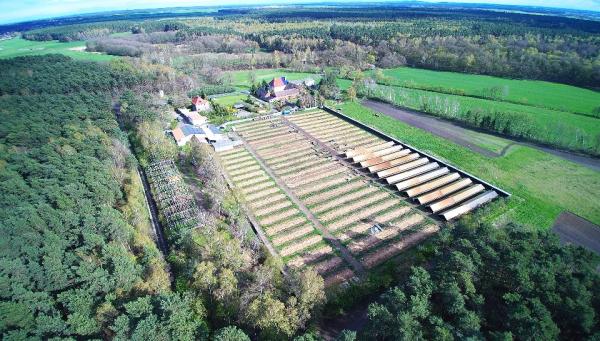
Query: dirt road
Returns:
{"type": "Point", "coordinates": [572, 229]}
{"type": "Point", "coordinates": [462, 136]}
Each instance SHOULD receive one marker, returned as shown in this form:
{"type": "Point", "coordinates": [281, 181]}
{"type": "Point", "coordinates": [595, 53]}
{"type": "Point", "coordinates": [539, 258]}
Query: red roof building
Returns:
{"type": "Point", "coordinates": [200, 104]}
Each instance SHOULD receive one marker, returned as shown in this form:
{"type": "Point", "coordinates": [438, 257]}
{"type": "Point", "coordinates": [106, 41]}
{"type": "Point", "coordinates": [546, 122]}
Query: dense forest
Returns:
{"type": "Point", "coordinates": [516, 45]}
{"type": "Point", "coordinates": [77, 258]}
{"type": "Point", "coordinates": [488, 283]}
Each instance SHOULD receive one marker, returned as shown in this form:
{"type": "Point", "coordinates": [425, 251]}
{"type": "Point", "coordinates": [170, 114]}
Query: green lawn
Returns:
{"type": "Point", "coordinates": [230, 100]}
{"type": "Point", "coordinates": [535, 93]}
{"type": "Point", "coordinates": [563, 129]}
{"type": "Point", "coordinates": [241, 79]}
{"type": "Point", "coordinates": [542, 184]}
{"type": "Point", "coordinates": [20, 47]}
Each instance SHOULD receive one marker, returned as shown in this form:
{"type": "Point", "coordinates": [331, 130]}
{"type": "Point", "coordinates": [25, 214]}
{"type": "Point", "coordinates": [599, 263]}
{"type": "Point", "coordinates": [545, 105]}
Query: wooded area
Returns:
{"type": "Point", "coordinates": [488, 283]}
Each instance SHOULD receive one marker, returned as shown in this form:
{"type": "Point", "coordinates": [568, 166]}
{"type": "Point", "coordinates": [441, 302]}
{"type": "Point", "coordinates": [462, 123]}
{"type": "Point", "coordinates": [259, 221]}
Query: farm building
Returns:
{"type": "Point", "coordinates": [279, 89]}
{"type": "Point", "coordinates": [192, 117]}
{"type": "Point", "coordinates": [183, 133]}
{"type": "Point", "coordinates": [200, 104]}
{"type": "Point", "coordinates": [207, 133]}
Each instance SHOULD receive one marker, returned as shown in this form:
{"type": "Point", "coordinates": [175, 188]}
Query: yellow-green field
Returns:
{"type": "Point", "coordinates": [230, 100]}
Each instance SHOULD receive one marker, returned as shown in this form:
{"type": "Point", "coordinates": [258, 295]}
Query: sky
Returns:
{"type": "Point", "coordinates": [21, 10]}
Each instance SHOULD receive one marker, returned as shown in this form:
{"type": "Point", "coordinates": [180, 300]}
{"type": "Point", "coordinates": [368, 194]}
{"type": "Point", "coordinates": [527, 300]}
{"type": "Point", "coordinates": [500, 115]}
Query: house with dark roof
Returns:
{"type": "Point", "coordinates": [279, 89]}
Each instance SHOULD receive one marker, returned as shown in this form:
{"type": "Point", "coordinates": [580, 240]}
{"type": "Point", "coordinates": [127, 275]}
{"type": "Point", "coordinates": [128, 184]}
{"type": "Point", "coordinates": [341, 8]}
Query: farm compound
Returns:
{"type": "Point", "coordinates": [335, 196]}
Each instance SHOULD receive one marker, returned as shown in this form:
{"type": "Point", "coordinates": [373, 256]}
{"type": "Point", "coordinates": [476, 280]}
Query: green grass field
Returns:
{"type": "Point", "coordinates": [558, 128]}
{"type": "Point", "coordinates": [241, 79]}
{"type": "Point", "coordinates": [542, 185]}
{"type": "Point", "coordinates": [20, 47]}
{"type": "Point", "coordinates": [230, 100]}
{"type": "Point", "coordinates": [534, 93]}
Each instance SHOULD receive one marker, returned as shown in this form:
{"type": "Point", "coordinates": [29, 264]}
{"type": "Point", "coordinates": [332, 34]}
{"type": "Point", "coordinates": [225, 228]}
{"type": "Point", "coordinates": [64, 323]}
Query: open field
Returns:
{"type": "Point", "coordinates": [558, 128]}
{"type": "Point", "coordinates": [241, 79]}
{"type": "Point", "coordinates": [529, 92]}
{"type": "Point", "coordinates": [542, 185]}
{"type": "Point", "coordinates": [17, 47]}
{"type": "Point", "coordinates": [229, 100]}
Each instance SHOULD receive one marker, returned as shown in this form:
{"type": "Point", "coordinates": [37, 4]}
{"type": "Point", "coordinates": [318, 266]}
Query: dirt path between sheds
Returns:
{"type": "Point", "coordinates": [345, 253]}
{"type": "Point", "coordinates": [460, 135]}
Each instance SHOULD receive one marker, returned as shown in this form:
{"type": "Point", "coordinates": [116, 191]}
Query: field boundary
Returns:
{"type": "Point", "coordinates": [405, 145]}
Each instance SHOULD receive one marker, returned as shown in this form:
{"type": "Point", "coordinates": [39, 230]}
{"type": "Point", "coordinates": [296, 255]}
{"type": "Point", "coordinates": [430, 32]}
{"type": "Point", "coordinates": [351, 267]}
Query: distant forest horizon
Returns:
{"type": "Point", "coordinates": [238, 9]}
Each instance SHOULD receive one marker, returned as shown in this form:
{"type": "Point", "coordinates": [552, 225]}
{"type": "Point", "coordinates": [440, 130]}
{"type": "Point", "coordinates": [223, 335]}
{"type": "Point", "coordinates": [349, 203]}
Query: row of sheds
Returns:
{"type": "Point", "coordinates": [432, 184]}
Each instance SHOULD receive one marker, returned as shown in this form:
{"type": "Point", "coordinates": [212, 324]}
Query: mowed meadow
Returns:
{"type": "Point", "coordinates": [462, 98]}
{"type": "Point", "coordinates": [17, 47]}
{"type": "Point", "coordinates": [542, 185]}
{"type": "Point", "coordinates": [540, 94]}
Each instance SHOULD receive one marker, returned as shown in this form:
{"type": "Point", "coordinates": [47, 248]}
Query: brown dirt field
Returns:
{"type": "Point", "coordinates": [335, 192]}
{"type": "Point", "coordinates": [344, 199]}
{"type": "Point", "coordinates": [249, 175]}
{"type": "Point", "coordinates": [327, 265]}
{"type": "Point", "coordinates": [241, 171]}
{"type": "Point", "coordinates": [336, 171]}
{"type": "Point", "coordinates": [232, 151]}
{"type": "Point", "coordinates": [237, 160]}
{"type": "Point", "coordinates": [253, 181]}
{"type": "Point", "coordinates": [267, 201]}
{"type": "Point", "coordinates": [355, 205]}
{"type": "Point", "coordinates": [314, 171]}
{"type": "Point", "coordinates": [236, 166]}
{"type": "Point", "coordinates": [301, 167]}
{"type": "Point", "coordinates": [357, 216]}
{"type": "Point", "coordinates": [366, 224]}
{"type": "Point", "coordinates": [318, 126]}
{"type": "Point", "coordinates": [297, 147]}
{"type": "Point", "coordinates": [319, 122]}
{"type": "Point", "coordinates": [311, 256]}
{"type": "Point", "coordinates": [267, 136]}
{"type": "Point", "coordinates": [238, 153]}
{"type": "Point", "coordinates": [311, 156]}
{"type": "Point", "coordinates": [393, 249]}
{"type": "Point", "coordinates": [257, 188]}
{"type": "Point", "coordinates": [305, 190]}
{"type": "Point", "coordinates": [289, 157]}
{"type": "Point", "coordinates": [292, 223]}
{"type": "Point", "coordinates": [273, 208]}
{"type": "Point", "coordinates": [283, 238]}
{"type": "Point", "coordinates": [338, 277]}
{"type": "Point", "coordinates": [300, 245]}
{"type": "Point", "coordinates": [273, 219]}
{"type": "Point", "coordinates": [263, 193]}
{"type": "Point", "coordinates": [360, 245]}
